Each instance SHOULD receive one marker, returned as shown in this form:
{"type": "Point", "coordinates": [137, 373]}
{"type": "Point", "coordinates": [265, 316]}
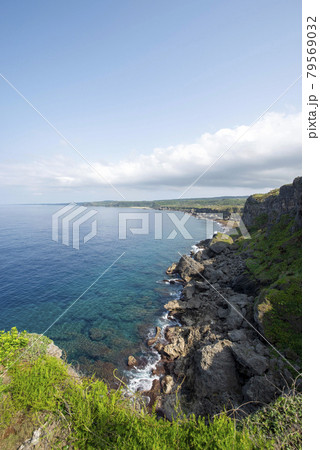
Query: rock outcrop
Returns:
{"type": "Point", "coordinates": [270, 207]}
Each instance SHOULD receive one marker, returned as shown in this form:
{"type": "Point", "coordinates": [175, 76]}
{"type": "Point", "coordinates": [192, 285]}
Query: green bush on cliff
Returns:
{"type": "Point", "coordinates": [11, 343]}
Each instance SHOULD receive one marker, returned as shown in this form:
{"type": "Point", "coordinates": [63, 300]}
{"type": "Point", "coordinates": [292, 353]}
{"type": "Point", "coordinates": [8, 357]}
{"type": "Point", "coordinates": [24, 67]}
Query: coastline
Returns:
{"type": "Point", "coordinates": [211, 357]}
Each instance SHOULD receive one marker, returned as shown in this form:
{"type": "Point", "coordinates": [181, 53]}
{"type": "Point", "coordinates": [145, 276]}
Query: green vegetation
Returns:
{"type": "Point", "coordinates": [281, 421]}
{"type": "Point", "coordinates": [215, 204]}
{"type": "Point", "coordinates": [275, 261]}
{"type": "Point", "coordinates": [85, 414]}
{"type": "Point", "coordinates": [10, 344]}
{"type": "Point", "coordinates": [262, 197]}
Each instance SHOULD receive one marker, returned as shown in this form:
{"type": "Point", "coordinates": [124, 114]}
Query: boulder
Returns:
{"type": "Point", "coordinates": [219, 243]}
{"type": "Point", "coordinates": [237, 335]}
{"type": "Point", "coordinates": [216, 370]}
{"type": "Point", "coordinates": [172, 269]}
{"type": "Point", "coordinates": [218, 247]}
{"type": "Point", "coordinates": [132, 361]}
{"type": "Point", "coordinates": [234, 318]}
{"type": "Point", "coordinates": [249, 359]}
{"type": "Point", "coordinates": [175, 305]}
{"type": "Point", "coordinates": [259, 389]}
{"type": "Point", "coordinates": [188, 268]}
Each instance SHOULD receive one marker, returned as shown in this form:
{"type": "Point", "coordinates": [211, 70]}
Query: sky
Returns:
{"type": "Point", "coordinates": [148, 100]}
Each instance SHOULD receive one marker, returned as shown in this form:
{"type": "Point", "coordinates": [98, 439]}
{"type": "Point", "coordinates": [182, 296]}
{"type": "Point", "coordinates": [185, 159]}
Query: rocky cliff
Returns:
{"type": "Point", "coordinates": [239, 315]}
{"type": "Point", "coordinates": [270, 207]}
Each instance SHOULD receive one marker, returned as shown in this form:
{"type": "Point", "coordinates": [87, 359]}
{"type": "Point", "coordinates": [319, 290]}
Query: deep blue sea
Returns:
{"type": "Point", "coordinates": [40, 278]}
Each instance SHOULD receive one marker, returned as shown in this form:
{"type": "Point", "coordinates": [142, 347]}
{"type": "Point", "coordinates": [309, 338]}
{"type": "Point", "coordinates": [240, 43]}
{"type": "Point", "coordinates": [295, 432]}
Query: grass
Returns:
{"type": "Point", "coordinates": [280, 422]}
{"type": "Point", "coordinates": [86, 414]}
{"type": "Point", "coordinates": [262, 197]}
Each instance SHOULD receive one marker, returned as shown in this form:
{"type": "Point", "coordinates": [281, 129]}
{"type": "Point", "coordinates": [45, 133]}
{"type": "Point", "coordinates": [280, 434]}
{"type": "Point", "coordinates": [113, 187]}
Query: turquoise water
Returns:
{"type": "Point", "coordinates": [40, 278]}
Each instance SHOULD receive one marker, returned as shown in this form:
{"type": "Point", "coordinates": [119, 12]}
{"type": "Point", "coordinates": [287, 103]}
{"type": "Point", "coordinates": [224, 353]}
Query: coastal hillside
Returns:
{"type": "Point", "coordinates": [45, 403]}
{"type": "Point", "coordinates": [230, 363]}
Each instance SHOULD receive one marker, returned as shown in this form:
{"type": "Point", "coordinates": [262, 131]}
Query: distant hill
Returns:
{"type": "Point", "coordinates": [214, 204]}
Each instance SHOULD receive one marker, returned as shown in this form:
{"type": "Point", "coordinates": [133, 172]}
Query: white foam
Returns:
{"type": "Point", "coordinates": [141, 379]}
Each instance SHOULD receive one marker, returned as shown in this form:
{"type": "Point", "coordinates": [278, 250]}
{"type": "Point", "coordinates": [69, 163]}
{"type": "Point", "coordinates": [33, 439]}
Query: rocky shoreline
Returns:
{"type": "Point", "coordinates": [216, 358]}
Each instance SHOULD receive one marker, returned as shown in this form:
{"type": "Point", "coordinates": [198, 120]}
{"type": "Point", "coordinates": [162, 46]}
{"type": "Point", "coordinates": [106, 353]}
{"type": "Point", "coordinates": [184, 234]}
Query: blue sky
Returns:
{"type": "Point", "coordinates": [121, 79]}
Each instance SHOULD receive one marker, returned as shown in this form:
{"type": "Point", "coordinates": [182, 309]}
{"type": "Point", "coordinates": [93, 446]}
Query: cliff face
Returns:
{"type": "Point", "coordinates": [268, 208]}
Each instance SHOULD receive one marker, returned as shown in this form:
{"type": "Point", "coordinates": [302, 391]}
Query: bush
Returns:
{"type": "Point", "coordinates": [11, 343]}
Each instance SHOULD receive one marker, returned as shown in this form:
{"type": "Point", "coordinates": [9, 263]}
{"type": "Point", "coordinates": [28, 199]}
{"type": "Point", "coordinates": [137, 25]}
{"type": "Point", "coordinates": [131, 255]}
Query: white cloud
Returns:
{"type": "Point", "coordinates": [269, 154]}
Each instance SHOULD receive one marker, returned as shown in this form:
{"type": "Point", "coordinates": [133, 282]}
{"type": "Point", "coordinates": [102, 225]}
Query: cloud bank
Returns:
{"type": "Point", "coordinates": [268, 154]}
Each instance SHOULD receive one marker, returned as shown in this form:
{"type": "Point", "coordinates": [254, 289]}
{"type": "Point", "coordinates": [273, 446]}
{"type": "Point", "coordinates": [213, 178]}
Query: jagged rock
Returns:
{"type": "Point", "coordinates": [234, 318]}
{"type": "Point", "coordinates": [169, 406]}
{"type": "Point", "coordinates": [167, 384]}
{"type": "Point", "coordinates": [132, 361]}
{"type": "Point", "coordinates": [215, 370]}
{"type": "Point", "coordinates": [175, 349]}
{"type": "Point", "coordinates": [202, 286]}
{"type": "Point", "coordinates": [214, 275]}
{"type": "Point", "coordinates": [175, 305]}
{"type": "Point", "coordinates": [218, 248]}
{"type": "Point", "coordinates": [189, 291]}
{"type": "Point", "coordinates": [188, 267]}
{"type": "Point", "coordinates": [237, 335]}
{"type": "Point", "coordinates": [259, 389]}
{"type": "Point", "coordinates": [172, 269]}
{"type": "Point", "coordinates": [155, 338]}
{"type": "Point", "coordinates": [246, 356]}
{"type": "Point", "coordinates": [159, 347]}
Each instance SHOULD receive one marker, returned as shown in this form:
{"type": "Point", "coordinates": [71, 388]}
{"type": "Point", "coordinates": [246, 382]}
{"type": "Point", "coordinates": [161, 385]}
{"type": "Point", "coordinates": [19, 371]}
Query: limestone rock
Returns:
{"type": "Point", "coordinates": [53, 350]}
{"type": "Point", "coordinates": [216, 370]}
{"type": "Point", "coordinates": [188, 268]}
{"type": "Point", "coordinates": [234, 318]}
{"type": "Point", "coordinates": [172, 269]}
{"type": "Point", "coordinates": [271, 206]}
{"type": "Point", "coordinates": [167, 384]}
{"type": "Point", "coordinates": [154, 339]}
{"type": "Point", "coordinates": [247, 357]}
{"type": "Point", "coordinates": [237, 335]}
{"type": "Point", "coordinates": [259, 389]}
{"type": "Point", "coordinates": [132, 361]}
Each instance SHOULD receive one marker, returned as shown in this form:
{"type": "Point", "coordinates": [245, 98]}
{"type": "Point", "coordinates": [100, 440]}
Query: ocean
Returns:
{"type": "Point", "coordinates": [41, 278]}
